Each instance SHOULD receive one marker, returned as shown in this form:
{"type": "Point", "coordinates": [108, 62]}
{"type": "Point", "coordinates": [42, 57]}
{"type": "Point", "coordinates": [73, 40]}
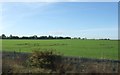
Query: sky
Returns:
{"type": "Point", "coordinates": [59, 0]}
{"type": "Point", "coordinates": [74, 19]}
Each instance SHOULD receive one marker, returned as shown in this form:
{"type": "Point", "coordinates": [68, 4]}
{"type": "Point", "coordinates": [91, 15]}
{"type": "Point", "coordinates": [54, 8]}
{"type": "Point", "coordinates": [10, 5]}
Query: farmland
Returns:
{"type": "Point", "coordinates": [101, 49]}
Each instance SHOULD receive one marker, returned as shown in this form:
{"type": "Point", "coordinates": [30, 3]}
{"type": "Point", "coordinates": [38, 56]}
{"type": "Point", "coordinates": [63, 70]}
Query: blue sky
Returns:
{"type": "Point", "coordinates": [74, 19]}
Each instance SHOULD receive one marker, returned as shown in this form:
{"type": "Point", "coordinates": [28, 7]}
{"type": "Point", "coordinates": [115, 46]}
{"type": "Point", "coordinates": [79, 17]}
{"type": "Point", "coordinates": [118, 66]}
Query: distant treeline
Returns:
{"type": "Point", "coordinates": [3, 36]}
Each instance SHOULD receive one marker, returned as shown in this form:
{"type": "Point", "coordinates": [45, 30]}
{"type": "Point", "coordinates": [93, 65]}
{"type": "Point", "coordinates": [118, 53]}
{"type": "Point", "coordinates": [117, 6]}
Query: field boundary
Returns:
{"type": "Point", "coordinates": [64, 58]}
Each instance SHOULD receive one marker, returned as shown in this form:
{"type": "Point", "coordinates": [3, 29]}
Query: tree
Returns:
{"type": "Point", "coordinates": [50, 37]}
{"type": "Point", "coordinates": [24, 37]}
{"type": "Point", "coordinates": [84, 38]}
{"type": "Point", "coordinates": [35, 36]}
{"type": "Point", "coordinates": [44, 59]}
{"type": "Point", "coordinates": [3, 36]}
{"type": "Point", "coordinates": [10, 36]}
{"type": "Point", "coordinates": [0, 37]}
{"type": "Point", "coordinates": [79, 38]}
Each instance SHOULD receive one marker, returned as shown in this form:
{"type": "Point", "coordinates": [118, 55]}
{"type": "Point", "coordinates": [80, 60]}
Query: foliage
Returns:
{"type": "Point", "coordinates": [61, 67]}
{"type": "Point", "coordinates": [3, 36]}
{"type": "Point", "coordinates": [32, 37]}
{"type": "Point", "coordinates": [44, 59]}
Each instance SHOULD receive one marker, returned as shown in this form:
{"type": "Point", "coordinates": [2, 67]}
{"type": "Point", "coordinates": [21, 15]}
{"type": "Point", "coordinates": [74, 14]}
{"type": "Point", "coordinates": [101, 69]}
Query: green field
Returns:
{"type": "Point", "coordinates": [102, 49]}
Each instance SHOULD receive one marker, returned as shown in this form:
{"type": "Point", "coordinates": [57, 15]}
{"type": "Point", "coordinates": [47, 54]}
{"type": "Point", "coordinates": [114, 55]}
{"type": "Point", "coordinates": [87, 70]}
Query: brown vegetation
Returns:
{"type": "Point", "coordinates": [51, 62]}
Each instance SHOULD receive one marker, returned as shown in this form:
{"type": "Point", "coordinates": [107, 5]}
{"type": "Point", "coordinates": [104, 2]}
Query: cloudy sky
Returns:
{"type": "Point", "coordinates": [75, 19]}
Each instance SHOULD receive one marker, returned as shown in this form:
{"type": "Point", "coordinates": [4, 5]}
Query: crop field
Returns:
{"type": "Point", "coordinates": [102, 49]}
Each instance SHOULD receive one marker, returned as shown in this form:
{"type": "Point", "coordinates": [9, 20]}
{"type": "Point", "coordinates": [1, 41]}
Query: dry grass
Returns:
{"type": "Point", "coordinates": [17, 65]}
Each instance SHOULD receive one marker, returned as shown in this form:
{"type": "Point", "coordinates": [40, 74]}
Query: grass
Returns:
{"type": "Point", "coordinates": [102, 49]}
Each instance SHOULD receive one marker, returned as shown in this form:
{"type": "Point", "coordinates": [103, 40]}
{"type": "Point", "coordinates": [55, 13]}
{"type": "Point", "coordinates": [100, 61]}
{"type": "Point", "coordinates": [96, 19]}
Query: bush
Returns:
{"type": "Point", "coordinates": [44, 59]}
